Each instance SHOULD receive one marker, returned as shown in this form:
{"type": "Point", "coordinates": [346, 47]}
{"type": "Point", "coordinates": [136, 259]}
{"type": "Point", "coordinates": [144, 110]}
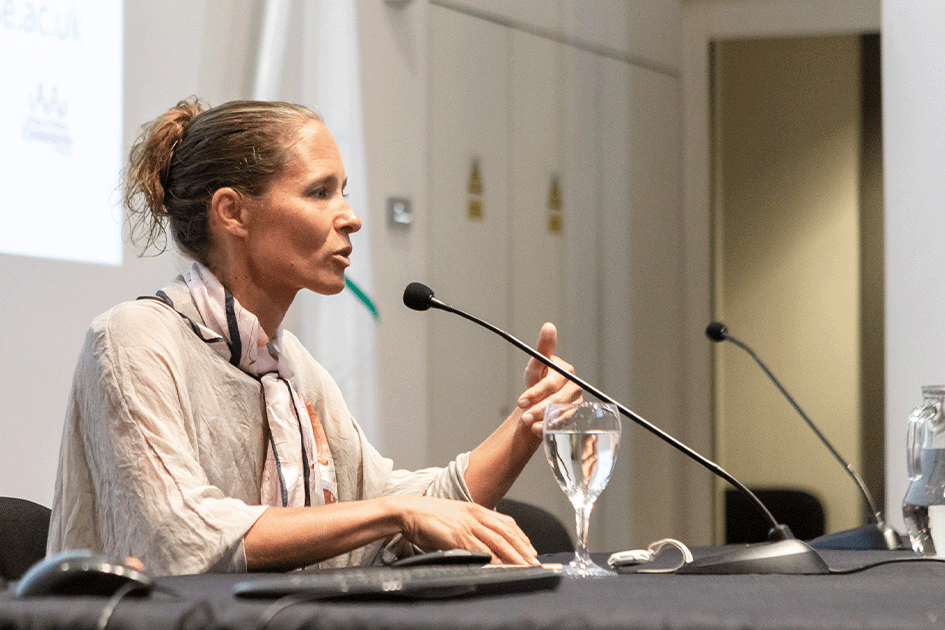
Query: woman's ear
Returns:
{"type": "Point", "coordinates": [229, 212]}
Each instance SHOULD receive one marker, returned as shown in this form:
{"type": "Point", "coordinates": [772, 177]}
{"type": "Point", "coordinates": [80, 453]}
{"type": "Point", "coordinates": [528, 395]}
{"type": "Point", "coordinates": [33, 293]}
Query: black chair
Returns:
{"type": "Point", "coordinates": [547, 533]}
{"type": "Point", "coordinates": [799, 510]}
{"type": "Point", "coordinates": [24, 528]}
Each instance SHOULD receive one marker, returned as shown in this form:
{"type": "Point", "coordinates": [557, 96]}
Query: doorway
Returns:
{"type": "Point", "coordinates": [797, 257]}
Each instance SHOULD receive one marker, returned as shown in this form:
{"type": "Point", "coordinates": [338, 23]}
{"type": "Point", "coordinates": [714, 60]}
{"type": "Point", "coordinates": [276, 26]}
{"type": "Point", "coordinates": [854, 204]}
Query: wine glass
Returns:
{"type": "Point", "coordinates": [581, 442]}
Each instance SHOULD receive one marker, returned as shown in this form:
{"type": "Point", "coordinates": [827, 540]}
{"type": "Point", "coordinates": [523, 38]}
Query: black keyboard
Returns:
{"type": "Point", "coordinates": [417, 582]}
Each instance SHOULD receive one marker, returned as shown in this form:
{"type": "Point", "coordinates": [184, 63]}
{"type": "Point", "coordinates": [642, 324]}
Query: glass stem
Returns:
{"type": "Point", "coordinates": [582, 513]}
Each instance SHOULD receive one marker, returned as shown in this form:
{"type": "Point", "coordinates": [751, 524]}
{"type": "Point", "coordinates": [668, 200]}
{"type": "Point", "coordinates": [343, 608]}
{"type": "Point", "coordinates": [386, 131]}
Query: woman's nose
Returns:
{"type": "Point", "coordinates": [350, 221]}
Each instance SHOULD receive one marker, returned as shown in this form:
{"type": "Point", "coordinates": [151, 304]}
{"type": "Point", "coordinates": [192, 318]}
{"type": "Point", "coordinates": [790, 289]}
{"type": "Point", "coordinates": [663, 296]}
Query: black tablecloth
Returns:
{"type": "Point", "coordinates": [898, 595]}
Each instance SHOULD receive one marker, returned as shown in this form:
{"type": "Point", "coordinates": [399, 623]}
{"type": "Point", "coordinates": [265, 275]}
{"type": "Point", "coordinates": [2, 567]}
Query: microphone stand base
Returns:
{"type": "Point", "coordinates": [784, 557]}
{"type": "Point", "coordinates": [870, 536]}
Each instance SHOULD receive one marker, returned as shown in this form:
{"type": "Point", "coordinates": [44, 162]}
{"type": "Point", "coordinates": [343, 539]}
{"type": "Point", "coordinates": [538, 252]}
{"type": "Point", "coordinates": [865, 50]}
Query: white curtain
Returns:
{"type": "Point", "coordinates": [310, 48]}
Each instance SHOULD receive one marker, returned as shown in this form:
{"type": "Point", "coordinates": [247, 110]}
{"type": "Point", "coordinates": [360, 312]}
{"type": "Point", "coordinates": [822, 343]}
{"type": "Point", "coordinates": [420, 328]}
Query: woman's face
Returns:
{"type": "Point", "coordinates": [300, 229]}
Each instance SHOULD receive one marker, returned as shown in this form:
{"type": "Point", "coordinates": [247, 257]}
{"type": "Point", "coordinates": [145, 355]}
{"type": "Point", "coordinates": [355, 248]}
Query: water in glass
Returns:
{"type": "Point", "coordinates": [581, 441]}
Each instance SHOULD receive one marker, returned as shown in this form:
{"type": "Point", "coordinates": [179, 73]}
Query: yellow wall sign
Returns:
{"type": "Point", "coordinates": [555, 221]}
{"type": "Point", "coordinates": [474, 203]}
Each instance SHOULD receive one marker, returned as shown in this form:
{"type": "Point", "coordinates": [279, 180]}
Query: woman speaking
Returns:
{"type": "Point", "coordinates": [200, 435]}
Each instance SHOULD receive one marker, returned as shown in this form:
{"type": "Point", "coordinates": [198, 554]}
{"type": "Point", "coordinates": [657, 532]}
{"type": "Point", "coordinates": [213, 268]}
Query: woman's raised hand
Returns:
{"type": "Point", "coordinates": [544, 385]}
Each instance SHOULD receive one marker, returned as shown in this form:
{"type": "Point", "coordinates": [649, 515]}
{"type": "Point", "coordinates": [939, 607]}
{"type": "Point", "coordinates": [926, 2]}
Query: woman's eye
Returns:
{"type": "Point", "coordinates": [326, 192]}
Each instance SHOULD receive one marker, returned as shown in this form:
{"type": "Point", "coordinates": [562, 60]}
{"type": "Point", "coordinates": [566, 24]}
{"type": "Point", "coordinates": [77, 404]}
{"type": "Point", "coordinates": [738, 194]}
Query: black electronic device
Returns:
{"type": "Point", "coordinates": [446, 556]}
{"type": "Point", "coordinates": [876, 533]}
{"type": "Point", "coordinates": [82, 572]}
{"type": "Point", "coordinates": [783, 554]}
{"type": "Point", "coordinates": [409, 582]}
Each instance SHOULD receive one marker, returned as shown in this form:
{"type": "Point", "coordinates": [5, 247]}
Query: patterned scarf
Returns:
{"type": "Point", "coordinates": [299, 469]}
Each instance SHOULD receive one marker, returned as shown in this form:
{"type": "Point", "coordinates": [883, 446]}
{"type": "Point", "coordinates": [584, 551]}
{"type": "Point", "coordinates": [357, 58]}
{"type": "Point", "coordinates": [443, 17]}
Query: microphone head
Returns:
{"type": "Point", "coordinates": [716, 331]}
{"type": "Point", "coordinates": [418, 297]}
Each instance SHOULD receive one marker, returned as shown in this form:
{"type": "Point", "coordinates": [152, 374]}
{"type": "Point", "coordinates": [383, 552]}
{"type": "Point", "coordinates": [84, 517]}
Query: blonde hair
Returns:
{"type": "Point", "coordinates": [184, 156]}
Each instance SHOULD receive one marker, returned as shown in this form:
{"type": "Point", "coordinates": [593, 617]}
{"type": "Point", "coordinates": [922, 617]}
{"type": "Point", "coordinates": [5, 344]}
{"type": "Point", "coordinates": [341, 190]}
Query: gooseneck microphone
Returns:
{"type": "Point", "coordinates": [782, 555]}
{"type": "Point", "coordinates": [876, 534]}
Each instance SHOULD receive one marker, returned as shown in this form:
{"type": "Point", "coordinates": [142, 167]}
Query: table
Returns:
{"type": "Point", "coordinates": [900, 595]}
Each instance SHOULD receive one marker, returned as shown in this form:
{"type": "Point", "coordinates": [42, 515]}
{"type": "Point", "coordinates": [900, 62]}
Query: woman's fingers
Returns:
{"type": "Point", "coordinates": [535, 370]}
{"type": "Point", "coordinates": [516, 536]}
{"type": "Point", "coordinates": [503, 538]}
{"type": "Point", "coordinates": [504, 551]}
{"type": "Point", "coordinates": [552, 383]}
{"type": "Point", "coordinates": [553, 388]}
{"type": "Point", "coordinates": [446, 524]}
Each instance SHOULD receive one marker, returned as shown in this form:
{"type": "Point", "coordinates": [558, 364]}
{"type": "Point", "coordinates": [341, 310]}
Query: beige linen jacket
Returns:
{"type": "Point", "coordinates": [164, 444]}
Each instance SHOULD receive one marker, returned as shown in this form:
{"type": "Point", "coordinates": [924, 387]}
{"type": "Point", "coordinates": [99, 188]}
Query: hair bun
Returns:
{"type": "Point", "coordinates": [146, 178]}
{"type": "Point", "coordinates": [190, 151]}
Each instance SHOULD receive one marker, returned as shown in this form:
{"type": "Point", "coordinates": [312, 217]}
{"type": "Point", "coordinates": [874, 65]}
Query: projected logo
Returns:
{"type": "Point", "coordinates": [46, 119]}
{"type": "Point", "coordinates": [61, 129]}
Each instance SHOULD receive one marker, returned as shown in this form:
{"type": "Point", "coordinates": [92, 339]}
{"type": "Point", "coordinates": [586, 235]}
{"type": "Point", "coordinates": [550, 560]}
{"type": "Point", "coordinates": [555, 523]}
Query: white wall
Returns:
{"type": "Point", "coordinates": [394, 62]}
{"type": "Point", "coordinates": [555, 93]}
{"type": "Point", "coordinates": [555, 87]}
{"type": "Point", "coordinates": [914, 146]}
